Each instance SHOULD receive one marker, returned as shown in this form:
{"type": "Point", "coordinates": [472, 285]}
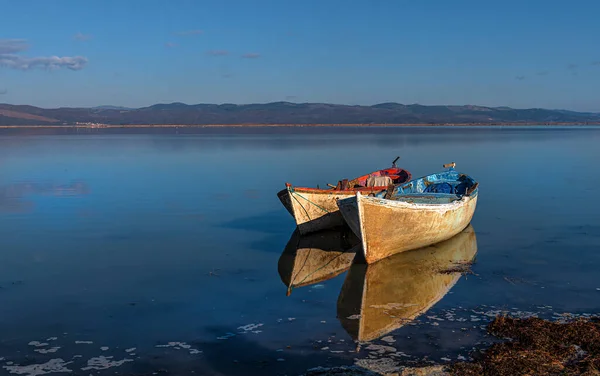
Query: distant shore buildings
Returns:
{"type": "Point", "coordinates": [91, 125]}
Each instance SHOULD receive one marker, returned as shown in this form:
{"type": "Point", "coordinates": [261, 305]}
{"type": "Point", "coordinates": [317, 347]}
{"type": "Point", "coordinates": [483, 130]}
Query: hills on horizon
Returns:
{"type": "Point", "coordinates": [287, 113]}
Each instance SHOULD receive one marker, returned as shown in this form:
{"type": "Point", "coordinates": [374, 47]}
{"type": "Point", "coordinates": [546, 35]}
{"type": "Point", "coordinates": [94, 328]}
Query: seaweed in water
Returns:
{"type": "Point", "coordinates": [462, 268]}
{"type": "Point", "coordinates": [538, 347]}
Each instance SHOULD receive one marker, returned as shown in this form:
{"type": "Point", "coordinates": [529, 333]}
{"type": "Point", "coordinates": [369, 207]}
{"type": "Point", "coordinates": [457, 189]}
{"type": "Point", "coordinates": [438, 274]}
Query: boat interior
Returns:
{"type": "Point", "coordinates": [439, 188]}
{"type": "Point", "coordinates": [381, 178]}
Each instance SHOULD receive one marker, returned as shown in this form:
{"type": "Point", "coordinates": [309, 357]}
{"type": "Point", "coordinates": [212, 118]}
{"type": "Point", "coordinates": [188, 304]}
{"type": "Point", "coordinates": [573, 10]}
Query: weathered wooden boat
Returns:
{"type": "Point", "coordinates": [378, 298]}
{"type": "Point", "coordinates": [315, 209]}
{"type": "Point", "coordinates": [416, 214]}
{"type": "Point", "coordinates": [316, 257]}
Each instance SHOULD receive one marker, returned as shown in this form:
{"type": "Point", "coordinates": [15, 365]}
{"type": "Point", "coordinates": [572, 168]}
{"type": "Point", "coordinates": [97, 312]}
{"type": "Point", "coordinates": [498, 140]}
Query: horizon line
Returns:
{"type": "Point", "coordinates": [301, 103]}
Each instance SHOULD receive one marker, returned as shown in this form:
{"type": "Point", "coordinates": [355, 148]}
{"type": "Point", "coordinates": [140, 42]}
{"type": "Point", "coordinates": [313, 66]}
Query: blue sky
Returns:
{"type": "Point", "coordinates": [135, 53]}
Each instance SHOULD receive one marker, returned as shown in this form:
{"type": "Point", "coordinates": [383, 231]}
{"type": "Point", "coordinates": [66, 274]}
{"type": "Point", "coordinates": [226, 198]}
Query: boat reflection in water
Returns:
{"type": "Point", "coordinates": [316, 257]}
{"type": "Point", "coordinates": [381, 297]}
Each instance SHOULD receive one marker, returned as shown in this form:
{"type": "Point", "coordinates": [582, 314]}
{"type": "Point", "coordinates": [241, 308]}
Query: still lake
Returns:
{"type": "Point", "coordinates": [150, 251]}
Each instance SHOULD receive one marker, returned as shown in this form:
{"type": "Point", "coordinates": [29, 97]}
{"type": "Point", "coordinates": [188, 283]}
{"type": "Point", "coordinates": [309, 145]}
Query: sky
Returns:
{"type": "Point", "coordinates": [136, 53]}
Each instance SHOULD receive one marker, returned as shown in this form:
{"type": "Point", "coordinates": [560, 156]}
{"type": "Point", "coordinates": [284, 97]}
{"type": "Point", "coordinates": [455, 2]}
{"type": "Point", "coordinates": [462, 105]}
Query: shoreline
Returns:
{"type": "Point", "coordinates": [110, 126]}
{"type": "Point", "coordinates": [527, 345]}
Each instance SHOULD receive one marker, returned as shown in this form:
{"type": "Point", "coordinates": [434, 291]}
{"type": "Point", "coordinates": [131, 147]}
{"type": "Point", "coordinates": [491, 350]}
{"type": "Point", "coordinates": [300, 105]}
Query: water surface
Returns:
{"type": "Point", "coordinates": [161, 249]}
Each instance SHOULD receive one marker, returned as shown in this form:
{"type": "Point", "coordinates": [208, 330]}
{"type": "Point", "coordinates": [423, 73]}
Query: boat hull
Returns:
{"type": "Point", "coordinates": [387, 227]}
{"type": "Point", "coordinates": [315, 210]}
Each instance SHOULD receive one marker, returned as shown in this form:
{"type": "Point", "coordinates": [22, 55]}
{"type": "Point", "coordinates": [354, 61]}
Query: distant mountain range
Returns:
{"type": "Point", "coordinates": [287, 113]}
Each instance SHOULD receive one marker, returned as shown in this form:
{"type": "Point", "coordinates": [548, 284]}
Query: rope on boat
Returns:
{"type": "Point", "coordinates": [299, 203]}
{"type": "Point", "coordinates": [293, 192]}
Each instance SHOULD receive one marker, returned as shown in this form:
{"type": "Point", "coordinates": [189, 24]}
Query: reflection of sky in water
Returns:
{"type": "Point", "coordinates": [14, 197]}
{"type": "Point", "coordinates": [177, 237]}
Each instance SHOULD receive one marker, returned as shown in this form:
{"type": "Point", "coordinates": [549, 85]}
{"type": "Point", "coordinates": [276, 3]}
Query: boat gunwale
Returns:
{"type": "Point", "coordinates": [451, 169]}
{"type": "Point", "coordinates": [338, 192]}
{"type": "Point", "coordinates": [418, 206]}
{"type": "Point", "coordinates": [425, 206]}
{"type": "Point", "coordinates": [354, 190]}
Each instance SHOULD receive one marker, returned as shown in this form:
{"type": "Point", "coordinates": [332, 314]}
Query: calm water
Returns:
{"type": "Point", "coordinates": [135, 253]}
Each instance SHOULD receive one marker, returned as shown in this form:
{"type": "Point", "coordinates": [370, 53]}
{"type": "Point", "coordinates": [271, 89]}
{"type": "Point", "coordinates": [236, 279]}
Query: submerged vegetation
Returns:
{"type": "Point", "coordinates": [529, 346]}
{"type": "Point", "coordinates": [538, 347]}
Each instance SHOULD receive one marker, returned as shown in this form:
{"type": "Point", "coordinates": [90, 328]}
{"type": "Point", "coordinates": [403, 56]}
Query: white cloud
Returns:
{"type": "Point", "coordinates": [50, 62]}
{"type": "Point", "coordinates": [10, 59]}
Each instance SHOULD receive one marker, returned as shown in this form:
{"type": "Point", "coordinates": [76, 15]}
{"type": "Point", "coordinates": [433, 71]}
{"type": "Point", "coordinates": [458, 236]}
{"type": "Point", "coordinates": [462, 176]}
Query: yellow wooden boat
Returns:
{"type": "Point", "coordinates": [315, 209]}
{"type": "Point", "coordinates": [416, 214]}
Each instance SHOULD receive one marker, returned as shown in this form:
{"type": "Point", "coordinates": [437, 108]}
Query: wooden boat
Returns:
{"type": "Point", "coordinates": [378, 298]}
{"type": "Point", "coordinates": [316, 257]}
{"type": "Point", "coordinates": [416, 214]}
{"type": "Point", "coordinates": [315, 209]}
